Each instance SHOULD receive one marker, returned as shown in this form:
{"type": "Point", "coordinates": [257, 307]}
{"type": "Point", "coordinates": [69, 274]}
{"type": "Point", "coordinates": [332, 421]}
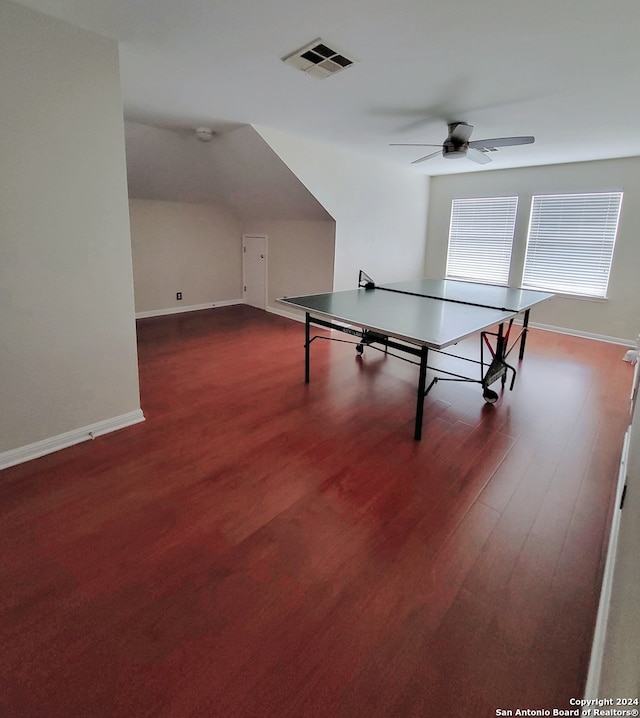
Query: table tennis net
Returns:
{"type": "Point", "coordinates": [366, 282]}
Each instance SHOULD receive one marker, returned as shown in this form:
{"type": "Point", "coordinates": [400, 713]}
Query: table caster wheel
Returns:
{"type": "Point", "coordinates": [490, 396]}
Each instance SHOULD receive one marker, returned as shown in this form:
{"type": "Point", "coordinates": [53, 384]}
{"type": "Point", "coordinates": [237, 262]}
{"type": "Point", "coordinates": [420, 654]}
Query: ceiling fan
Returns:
{"type": "Point", "coordinates": [458, 145]}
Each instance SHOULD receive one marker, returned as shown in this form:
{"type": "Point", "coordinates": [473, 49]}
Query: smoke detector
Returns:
{"type": "Point", "coordinates": [204, 134]}
{"type": "Point", "coordinates": [319, 59]}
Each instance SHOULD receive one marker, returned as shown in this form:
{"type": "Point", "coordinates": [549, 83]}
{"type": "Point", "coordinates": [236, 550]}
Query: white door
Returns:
{"type": "Point", "coordinates": [254, 270]}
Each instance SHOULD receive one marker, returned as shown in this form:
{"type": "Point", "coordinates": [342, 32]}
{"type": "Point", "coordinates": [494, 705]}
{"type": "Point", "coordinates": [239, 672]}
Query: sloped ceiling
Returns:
{"type": "Point", "coordinates": [565, 71]}
{"type": "Point", "coordinates": [237, 169]}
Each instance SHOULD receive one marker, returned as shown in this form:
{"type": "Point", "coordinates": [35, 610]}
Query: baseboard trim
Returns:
{"type": "Point", "coordinates": [287, 315]}
{"type": "Point", "coordinates": [69, 438]}
{"type": "Point", "coordinates": [584, 335]}
{"type": "Point", "coordinates": [189, 308]}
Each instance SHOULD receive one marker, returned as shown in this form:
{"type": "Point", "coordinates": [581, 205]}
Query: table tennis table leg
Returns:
{"type": "Point", "coordinates": [523, 338]}
{"type": "Point", "coordinates": [500, 343]}
{"type": "Point", "coordinates": [422, 382]}
{"type": "Point", "coordinates": [307, 345]}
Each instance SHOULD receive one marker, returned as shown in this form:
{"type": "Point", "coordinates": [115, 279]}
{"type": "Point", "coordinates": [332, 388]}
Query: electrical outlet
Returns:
{"type": "Point", "coordinates": [179, 295]}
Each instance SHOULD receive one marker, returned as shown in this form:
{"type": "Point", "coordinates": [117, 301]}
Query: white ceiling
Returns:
{"type": "Point", "coordinates": [565, 71]}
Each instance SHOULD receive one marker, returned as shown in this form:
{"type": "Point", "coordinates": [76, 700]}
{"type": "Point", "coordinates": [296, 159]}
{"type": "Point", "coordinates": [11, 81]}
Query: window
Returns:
{"type": "Point", "coordinates": [570, 243]}
{"type": "Point", "coordinates": [480, 239]}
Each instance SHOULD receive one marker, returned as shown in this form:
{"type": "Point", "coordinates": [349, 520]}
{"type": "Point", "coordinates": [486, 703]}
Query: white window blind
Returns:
{"type": "Point", "coordinates": [570, 243]}
{"type": "Point", "coordinates": [480, 239]}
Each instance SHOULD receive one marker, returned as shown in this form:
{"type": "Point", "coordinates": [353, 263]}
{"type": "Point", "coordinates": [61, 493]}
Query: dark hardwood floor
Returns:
{"type": "Point", "coordinates": [264, 548]}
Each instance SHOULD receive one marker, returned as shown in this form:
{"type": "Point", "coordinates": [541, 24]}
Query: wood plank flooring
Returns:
{"type": "Point", "coordinates": [262, 548]}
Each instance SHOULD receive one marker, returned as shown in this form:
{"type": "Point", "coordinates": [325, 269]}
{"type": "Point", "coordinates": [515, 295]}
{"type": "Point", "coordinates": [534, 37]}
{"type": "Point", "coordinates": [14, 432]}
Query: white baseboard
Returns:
{"type": "Point", "coordinates": [69, 438]}
{"type": "Point", "coordinates": [287, 315]}
{"type": "Point", "coordinates": [189, 308]}
{"type": "Point", "coordinates": [585, 335]}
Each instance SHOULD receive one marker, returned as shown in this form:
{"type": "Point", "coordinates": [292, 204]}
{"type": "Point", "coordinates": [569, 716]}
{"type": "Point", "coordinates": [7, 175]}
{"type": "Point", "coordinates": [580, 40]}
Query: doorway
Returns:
{"type": "Point", "coordinates": [254, 270]}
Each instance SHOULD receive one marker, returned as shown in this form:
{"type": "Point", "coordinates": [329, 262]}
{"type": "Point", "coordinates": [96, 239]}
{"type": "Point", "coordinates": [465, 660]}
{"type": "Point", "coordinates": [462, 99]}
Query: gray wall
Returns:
{"type": "Point", "coordinates": [67, 330]}
{"type": "Point", "coordinates": [195, 249]}
{"type": "Point", "coordinates": [300, 257]}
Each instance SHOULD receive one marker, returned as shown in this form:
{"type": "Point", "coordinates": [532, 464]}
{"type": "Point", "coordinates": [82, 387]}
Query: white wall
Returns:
{"type": "Point", "coordinates": [618, 317]}
{"type": "Point", "coordinates": [300, 257]}
{"type": "Point", "coordinates": [380, 210]}
{"type": "Point", "coordinates": [621, 650]}
{"type": "Point", "coordinates": [67, 329]}
{"type": "Point", "coordinates": [195, 249]}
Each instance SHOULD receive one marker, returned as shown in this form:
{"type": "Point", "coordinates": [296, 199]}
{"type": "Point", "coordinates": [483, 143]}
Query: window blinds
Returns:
{"type": "Point", "coordinates": [480, 239]}
{"type": "Point", "coordinates": [570, 243]}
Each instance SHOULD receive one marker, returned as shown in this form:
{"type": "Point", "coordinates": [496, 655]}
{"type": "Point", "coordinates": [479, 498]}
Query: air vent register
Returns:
{"type": "Point", "coordinates": [318, 59]}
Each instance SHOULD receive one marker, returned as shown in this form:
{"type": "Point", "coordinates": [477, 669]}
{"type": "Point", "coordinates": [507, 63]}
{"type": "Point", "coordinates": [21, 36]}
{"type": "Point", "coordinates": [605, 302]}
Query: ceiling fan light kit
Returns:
{"type": "Point", "coordinates": [454, 153]}
{"type": "Point", "coordinates": [204, 134]}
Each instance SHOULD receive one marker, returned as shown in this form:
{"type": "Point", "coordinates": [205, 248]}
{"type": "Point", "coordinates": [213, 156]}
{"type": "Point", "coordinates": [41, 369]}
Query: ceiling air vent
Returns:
{"type": "Point", "coordinates": [318, 59]}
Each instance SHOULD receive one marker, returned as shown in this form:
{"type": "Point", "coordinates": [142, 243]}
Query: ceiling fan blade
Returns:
{"type": "Point", "coordinates": [476, 156]}
{"type": "Point", "coordinates": [413, 144]}
{"type": "Point", "coordinates": [502, 142]}
{"type": "Point", "coordinates": [459, 132]}
{"type": "Point", "coordinates": [426, 157]}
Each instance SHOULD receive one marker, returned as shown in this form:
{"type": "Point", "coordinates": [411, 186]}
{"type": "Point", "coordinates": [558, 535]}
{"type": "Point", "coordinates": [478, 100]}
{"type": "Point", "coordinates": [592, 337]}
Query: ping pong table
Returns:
{"type": "Point", "coordinates": [418, 316]}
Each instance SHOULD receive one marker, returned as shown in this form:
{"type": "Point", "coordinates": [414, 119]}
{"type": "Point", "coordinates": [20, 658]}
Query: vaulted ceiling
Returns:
{"type": "Point", "coordinates": [566, 72]}
{"type": "Point", "coordinates": [237, 169]}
